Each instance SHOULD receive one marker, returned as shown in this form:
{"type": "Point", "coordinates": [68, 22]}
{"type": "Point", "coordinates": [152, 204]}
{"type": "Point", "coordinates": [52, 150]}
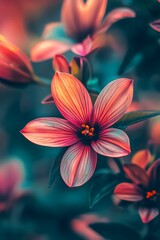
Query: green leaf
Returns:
{"type": "Point", "coordinates": [116, 231]}
{"type": "Point", "coordinates": [134, 117]}
{"type": "Point", "coordinates": [103, 185]}
{"type": "Point", "coordinates": [55, 168]}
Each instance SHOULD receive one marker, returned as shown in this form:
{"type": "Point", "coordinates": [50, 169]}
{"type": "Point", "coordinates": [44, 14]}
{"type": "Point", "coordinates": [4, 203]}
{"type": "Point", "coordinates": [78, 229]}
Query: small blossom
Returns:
{"type": "Point", "coordinates": [86, 129]}
{"type": "Point", "coordinates": [81, 29]}
{"type": "Point", "coordinates": [143, 189]}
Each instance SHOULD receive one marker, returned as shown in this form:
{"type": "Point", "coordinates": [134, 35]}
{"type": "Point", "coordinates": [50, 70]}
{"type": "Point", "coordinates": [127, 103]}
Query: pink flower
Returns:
{"type": "Point", "coordinates": [11, 176]}
{"type": "Point", "coordinates": [81, 30]}
{"type": "Point", "coordinates": [86, 129]}
{"type": "Point", "coordinates": [144, 189]}
{"type": "Point", "coordinates": [15, 65]}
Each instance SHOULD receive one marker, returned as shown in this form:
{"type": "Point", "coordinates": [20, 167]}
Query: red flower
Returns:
{"type": "Point", "coordinates": [81, 30]}
{"type": "Point", "coordinates": [144, 189]}
{"type": "Point", "coordinates": [86, 129]}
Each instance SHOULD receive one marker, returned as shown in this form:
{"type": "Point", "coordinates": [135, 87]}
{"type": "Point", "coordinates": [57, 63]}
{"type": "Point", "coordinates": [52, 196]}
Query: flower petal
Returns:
{"type": "Point", "coordinates": [128, 192]}
{"type": "Point", "coordinates": [48, 49]}
{"type": "Point", "coordinates": [56, 31]}
{"type": "Point", "coordinates": [71, 98]}
{"type": "Point", "coordinates": [154, 174]}
{"type": "Point", "coordinates": [51, 132]}
{"type": "Point", "coordinates": [84, 48]}
{"type": "Point", "coordinates": [60, 64]}
{"type": "Point", "coordinates": [48, 100]}
{"type": "Point", "coordinates": [148, 214]}
{"type": "Point", "coordinates": [90, 44]}
{"type": "Point", "coordinates": [112, 143]}
{"type": "Point", "coordinates": [79, 17]}
{"type": "Point", "coordinates": [142, 158]}
{"type": "Point", "coordinates": [113, 101]}
{"type": "Point", "coordinates": [136, 174]}
{"type": "Point", "coordinates": [115, 16]}
{"type": "Point", "coordinates": [12, 74]}
{"type": "Point", "coordinates": [11, 54]}
{"type": "Point", "coordinates": [156, 25]}
{"type": "Point", "coordinates": [78, 165]}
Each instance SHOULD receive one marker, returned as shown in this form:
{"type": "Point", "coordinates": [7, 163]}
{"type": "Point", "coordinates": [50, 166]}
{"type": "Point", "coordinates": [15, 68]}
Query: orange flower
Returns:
{"type": "Point", "coordinates": [87, 129]}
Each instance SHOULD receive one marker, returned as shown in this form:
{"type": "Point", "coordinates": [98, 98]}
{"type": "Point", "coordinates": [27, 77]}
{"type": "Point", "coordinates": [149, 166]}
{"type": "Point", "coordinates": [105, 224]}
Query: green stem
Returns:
{"type": "Point", "coordinates": [42, 81]}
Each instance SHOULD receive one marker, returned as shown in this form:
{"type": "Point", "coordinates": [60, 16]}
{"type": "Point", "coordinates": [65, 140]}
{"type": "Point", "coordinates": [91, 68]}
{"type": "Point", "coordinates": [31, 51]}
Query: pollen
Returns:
{"type": "Point", "coordinates": [87, 130]}
{"type": "Point", "coordinates": [151, 194]}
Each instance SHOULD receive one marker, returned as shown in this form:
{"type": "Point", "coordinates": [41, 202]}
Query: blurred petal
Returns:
{"type": "Point", "coordinates": [82, 228]}
{"type": "Point", "coordinates": [78, 165]}
{"type": "Point", "coordinates": [11, 175]}
{"type": "Point", "coordinates": [48, 49]}
{"type": "Point", "coordinates": [115, 16]}
{"type": "Point", "coordinates": [11, 54]}
{"type": "Point", "coordinates": [56, 31]}
{"type": "Point", "coordinates": [60, 64]}
{"type": "Point", "coordinates": [136, 174]}
{"type": "Point", "coordinates": [155, 132]}
{"type": "Point", "coordinates": [49, 28]}
{"type": "Point", "coordinates": [83, 48]}
{"type": "Point", "coordinates": [71, 98]}
{"type": "Point", "coordinates": [148, 214]}
{"type": "Point", "coordinates": [48, 100]}
{"type": "Point", "coordinates": [154, 174]}
{"type": "Point", "coordinates": [113, 101]}
{"type": "Point", "coordinates": [142, 158]}
{"type": "Point", "coordinates": [112, 143]}
{"type": "Point", "coordinates": [90, 44]}
{"type": "Point", "coordinates": [156, 25]}
{"type": "Point", "coordinates": [11, 74]}
{"type": "Point", "coordinates": [128, 192]}
{"type": "Point", "coordinates": [51, 132]}
{"type": "Point", "coordinates": [80, 17]}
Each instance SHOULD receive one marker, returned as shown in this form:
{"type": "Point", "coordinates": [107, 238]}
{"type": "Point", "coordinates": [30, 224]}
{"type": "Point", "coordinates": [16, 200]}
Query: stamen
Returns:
{"type": "Point", "coordinates": [87, 130]}
{"type": "Point", "coordinates": [151, 194]}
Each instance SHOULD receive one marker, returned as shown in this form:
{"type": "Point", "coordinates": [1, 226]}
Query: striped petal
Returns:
{"type": "Point", "coordinates": [78, 165]}
{"type": "Point", "coordinates": [128, 192]}
{"type": "Point", "coordinates": [51, 132]}
{"type": "Point", "coordinates": [71, 98]}
{"type": "Point", "coordinates": [113, 101]}
{"type": "Point", "coordinates": [112, 143]}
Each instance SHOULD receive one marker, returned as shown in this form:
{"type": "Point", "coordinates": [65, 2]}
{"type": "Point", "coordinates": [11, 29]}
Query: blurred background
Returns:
{"type": "Point", "coordinates": [41, 212]}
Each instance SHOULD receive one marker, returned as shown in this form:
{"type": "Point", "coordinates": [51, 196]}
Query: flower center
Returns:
{"type": "Point", "coordinates": [151, 194]}
{"type": "Point", "coordinates": [87, 130]}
